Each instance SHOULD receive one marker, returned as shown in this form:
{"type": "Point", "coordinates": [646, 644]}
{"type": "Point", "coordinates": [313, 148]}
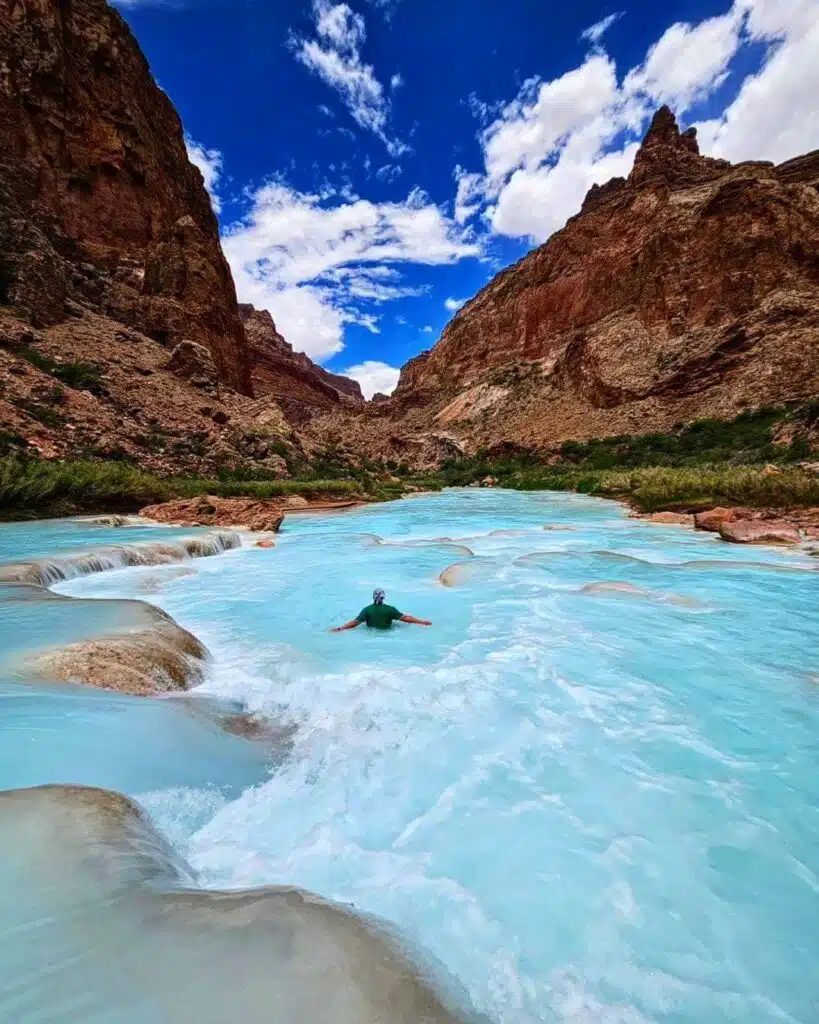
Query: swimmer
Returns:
{"type": "Point", "coordinates": [379, 616]}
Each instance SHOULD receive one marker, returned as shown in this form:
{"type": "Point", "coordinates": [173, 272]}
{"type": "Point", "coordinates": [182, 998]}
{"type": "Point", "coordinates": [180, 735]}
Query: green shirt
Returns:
{"type": "Point", "coordinates": [378, 616]}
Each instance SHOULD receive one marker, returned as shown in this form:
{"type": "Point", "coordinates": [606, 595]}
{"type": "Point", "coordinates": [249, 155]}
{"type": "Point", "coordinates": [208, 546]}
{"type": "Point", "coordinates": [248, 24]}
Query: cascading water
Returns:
{"type": "Point", "coordinates": [590, 790]}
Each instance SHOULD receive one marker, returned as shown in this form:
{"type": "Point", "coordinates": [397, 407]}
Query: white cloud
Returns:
{"type": "Point", "coordinates": [318, 262]}
{"type": "Point", "coordinates": [775, 116]}
{"type": "Point", "coordinates": [545, 115]}
{"type": "Point", "coordinates": [688, 61]}
{"type": "Point", "coordinates": [210, 163]}
{"type": "Point", "coordinates": [374, 377]}
{"type": "Point", "coordinates": [453, 304]}
{"type": "Point", "coordinates": [594, 33]}
{"type": "Point", "coordinates": [428, 329]}
{"type": "Point", "coordinates": [335, 56]}
{"type": "Point", "coordinates": [396, 81]}
{"type": "Point", "coordinates": [535, 203]}
{"type": "Point", "coordinates": [545, 148]}
{"type": "Point", "coordinates": [468, 195]}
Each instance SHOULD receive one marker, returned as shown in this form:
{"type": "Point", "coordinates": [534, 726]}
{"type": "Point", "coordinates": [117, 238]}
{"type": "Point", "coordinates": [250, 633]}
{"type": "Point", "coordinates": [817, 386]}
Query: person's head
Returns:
{"type": "Point", "coordinates": [378, 596]}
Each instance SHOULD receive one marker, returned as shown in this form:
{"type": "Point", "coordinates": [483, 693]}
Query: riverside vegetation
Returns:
{"type": "Point", "coordinates": [32, 488]}
{"type": "Point", "coordinates": [708, 462]}
{"type": "Point", "coordinates": [702, 464]}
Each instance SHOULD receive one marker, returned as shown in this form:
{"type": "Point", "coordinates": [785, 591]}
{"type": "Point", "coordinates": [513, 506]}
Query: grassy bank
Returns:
{"type": "Point", "coordinates": [706, 463]}
{"type": "Point", "coordinates": [30, 489]}
{"type": "Point", "coordinates": [658, 488]}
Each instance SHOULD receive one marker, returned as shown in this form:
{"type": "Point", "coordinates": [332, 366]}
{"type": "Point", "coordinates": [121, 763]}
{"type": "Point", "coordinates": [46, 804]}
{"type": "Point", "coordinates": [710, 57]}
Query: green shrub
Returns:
{"type": "Point", "coordinates": [658, 488]}
{"type": "Point", "coordinates": [39, 486]}
{"type": "Point", "coordinates": [80, 376]}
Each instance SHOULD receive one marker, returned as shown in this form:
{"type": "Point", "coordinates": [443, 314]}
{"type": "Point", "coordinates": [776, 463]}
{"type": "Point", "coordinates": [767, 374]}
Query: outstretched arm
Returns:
{"type": "Point", "coordinates": [347, 625]}
{"type": "Point", "coordinates": [414, 621]}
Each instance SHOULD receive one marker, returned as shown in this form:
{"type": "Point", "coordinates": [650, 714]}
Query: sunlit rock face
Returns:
{"type": "Point", "coordinates": [686, 290]}
{"type": "Point", "coordinates": [94, 158]}
{"type": "Point", "coordinates": [100, 926]}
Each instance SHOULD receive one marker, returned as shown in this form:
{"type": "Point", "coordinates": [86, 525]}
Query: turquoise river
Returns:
{"type": "Point", "coordinates": [590, 791]}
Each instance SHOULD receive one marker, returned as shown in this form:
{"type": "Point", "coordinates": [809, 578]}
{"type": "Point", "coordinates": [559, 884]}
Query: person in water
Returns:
{"type": "Point", "coordinates": [379, 615]}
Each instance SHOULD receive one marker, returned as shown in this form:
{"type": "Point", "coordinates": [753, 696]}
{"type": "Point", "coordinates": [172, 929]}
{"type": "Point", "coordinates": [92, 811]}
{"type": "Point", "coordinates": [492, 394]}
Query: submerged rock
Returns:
{"type": "Point", "coordinates": [242, 513]}
{"type": "Point", "coordinates": [754, 531]}
{"type": "Point", "coordinates": [99, 914]}
{"type": "Point", "coordinates": [117, 521]}
{"type": "Point", "coordinates": [612, 588]}
{"type": "Point", "coordinates": [464, 572]}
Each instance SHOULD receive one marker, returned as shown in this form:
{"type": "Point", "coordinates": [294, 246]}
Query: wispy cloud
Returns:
{"type": "Point", "coordinates": [335, 56]}
{"type": "Point", "coordinates": [320, 261]}
{"type": "Point", "coordinates": [594, 33]}
{"type": "Point", "coordinates": [453, 304]}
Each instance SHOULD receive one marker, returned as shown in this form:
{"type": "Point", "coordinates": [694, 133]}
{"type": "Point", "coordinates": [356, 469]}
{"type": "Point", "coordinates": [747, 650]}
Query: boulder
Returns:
{"type": "Point", "coordinates": [769, 470]}
{"type": "Point", "coordinates": [117, 521]}
{"type": "Point", "coordinates": [194, 363]}
{"type": "Point", "coordinates": [489, 481]}
{"type": "Point", "coordinates": [245, 513]}
{"type": "Point", "coordinates": [296, 501]}
{"type": "Point", "coordinates": [713, 519]}
{"type": "Point", "coordinates": [755, 531]}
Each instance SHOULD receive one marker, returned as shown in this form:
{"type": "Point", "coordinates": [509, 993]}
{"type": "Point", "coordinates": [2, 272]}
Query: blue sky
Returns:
{"type": "Point", "coordinates": [375, 162]}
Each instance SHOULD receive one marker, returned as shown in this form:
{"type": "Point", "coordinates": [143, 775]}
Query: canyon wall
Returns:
{"type": "Point", "coordinates": [689, 289]}
{"type": "Point", "coordinates": [99, 203]}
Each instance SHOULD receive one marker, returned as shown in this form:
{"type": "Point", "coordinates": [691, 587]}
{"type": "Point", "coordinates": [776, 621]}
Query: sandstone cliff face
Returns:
{"type": "Point", "coordinates": [299, 386]}
{"type": "Point", "coordinates": [120, 335]}
{"type": "Point", "coordinates": [690, 289]}
{"type": "Point", "coordinates": [99, 204]}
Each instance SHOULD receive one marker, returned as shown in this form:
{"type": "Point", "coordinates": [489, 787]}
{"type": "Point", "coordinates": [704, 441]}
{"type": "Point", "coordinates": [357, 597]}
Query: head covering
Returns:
{"type": "Point", "coordinates": [378, 596]}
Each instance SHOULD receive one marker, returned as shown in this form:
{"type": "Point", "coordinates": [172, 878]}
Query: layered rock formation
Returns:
{"type": "Point", "coordinates": [99, 200]}
{"type": "Point", "coordinates": [689, 289]}
{"type": "Point", "coordinates": [297, 384]}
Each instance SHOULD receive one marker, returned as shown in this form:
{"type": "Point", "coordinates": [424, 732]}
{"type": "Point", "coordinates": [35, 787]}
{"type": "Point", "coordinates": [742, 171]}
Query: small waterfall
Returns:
{"type": "Point", "coordinates": [47, 571]}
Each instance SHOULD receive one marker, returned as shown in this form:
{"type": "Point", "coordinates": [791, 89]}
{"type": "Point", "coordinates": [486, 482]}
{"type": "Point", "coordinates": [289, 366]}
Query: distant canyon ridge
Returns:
{"type": "Point", "coordinates": [689, 289]}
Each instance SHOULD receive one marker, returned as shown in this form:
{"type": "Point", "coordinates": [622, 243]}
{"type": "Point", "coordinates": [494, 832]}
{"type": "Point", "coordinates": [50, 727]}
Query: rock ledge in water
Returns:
{"type": "Point", "coordinates": [43, 572]}
{"type": "Point", "coordinates": [158, 660]}
{"type": "Point", "coordinates": [668, 518]}
{"type": "Point", "coordinates": [755, 531]}
{"type": "Point", "coordinates": [242, 513]}
{"type": "Point", "coordinates": [88, 865]}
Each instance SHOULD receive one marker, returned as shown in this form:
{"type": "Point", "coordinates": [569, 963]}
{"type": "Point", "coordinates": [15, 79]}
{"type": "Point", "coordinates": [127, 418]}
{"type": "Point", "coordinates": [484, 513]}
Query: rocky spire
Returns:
{"type": "Point", "coordinates": [669, 154]}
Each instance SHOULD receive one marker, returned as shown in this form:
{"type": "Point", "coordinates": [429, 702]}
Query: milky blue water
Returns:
{"type": "Point", "coordinates": [591, 803]}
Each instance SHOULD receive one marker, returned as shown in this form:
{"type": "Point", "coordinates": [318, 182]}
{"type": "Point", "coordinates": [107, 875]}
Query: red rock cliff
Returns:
{"type": "Point", "coordinates": [98, 200]}
{"type": "Point", "coordinates": [299, 386]}
{"type": "Point", "coordinates": [690, 289]}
